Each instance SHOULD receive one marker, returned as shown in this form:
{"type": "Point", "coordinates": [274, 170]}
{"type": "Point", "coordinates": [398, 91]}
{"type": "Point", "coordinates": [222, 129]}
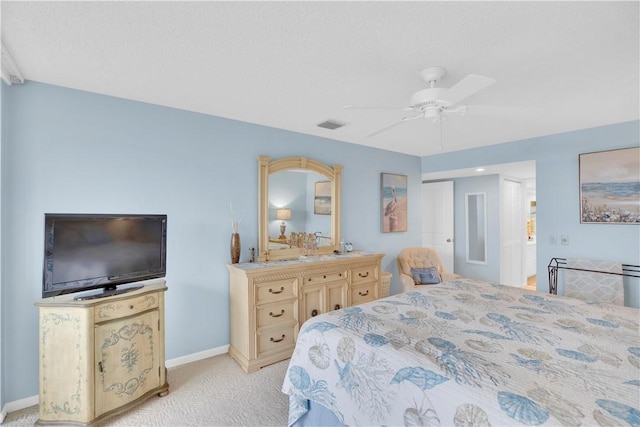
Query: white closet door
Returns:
{"type": "Point", "coordinates": [437, 220]}
{"type": "Point", "coordinates": [512, 227]}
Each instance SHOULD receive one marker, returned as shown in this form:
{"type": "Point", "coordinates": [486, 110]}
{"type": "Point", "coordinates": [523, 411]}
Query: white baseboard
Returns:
{"type": "Point", "coordinates": [194, 357]}
{"type": "Point", "coordinates": [16, 405]}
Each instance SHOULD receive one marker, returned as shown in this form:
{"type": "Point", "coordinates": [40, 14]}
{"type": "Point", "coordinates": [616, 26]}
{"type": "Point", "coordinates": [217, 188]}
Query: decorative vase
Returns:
{"type": "Point", "coordinates": [235, 248]}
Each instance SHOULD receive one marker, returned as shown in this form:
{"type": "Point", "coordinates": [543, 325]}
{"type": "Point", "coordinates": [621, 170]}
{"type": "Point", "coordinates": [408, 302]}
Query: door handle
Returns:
{"type": "Point", "coordinates": [448, 240]}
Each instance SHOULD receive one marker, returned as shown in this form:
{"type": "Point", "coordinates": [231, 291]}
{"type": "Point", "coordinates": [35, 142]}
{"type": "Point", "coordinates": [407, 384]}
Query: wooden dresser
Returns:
{"type": "Point", "coordinates": [269, 301]}
{"type": "Point", "coordinates": [102, 356]}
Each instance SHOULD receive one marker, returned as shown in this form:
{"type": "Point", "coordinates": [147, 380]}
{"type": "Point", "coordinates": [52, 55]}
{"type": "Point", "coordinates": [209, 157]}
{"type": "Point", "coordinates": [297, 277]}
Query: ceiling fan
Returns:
{"type": "Point", "coordinates": [437, 102]}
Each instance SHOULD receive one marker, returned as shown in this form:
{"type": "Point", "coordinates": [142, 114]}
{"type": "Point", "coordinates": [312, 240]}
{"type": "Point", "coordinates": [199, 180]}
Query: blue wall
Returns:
{"type": "Point", "coordinates": [71, 151]}
{"type": "Point", "coordinates": [557, 196]}
{"type": "Point", "coordinates": [491, 187]}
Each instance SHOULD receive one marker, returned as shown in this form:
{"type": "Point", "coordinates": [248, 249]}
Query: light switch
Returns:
{"type": "Point", "coordinates": [564, 240]}
{"type": "Point", "coordinates": [553, 240]}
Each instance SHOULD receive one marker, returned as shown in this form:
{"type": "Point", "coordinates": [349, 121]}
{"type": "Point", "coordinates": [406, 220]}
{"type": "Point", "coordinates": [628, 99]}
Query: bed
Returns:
{"type": "Point", "coordinates": [468, 352]}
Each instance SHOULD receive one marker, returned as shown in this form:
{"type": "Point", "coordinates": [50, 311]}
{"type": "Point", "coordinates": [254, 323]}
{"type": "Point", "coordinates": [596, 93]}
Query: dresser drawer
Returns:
{"type": "Point", "coordinates": [276, 290]}
{"type": "Point", "coordinates": [276, 339]}
{"type": "Point", "coordinates": [126, 307]}
{"type": "Point", "coordinates": [364, 274]}
{"type": "Point", "coordinates": [364, 293]}
{"type": "Point", "coordinates": [325, 278]}
{"type": "Point", "coordinates": [280, 312]}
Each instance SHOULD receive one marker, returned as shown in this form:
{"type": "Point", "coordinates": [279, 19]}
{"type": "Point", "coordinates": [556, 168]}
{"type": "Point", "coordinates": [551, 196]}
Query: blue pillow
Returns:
{"type": "Point", "coordinates": [425, 276]}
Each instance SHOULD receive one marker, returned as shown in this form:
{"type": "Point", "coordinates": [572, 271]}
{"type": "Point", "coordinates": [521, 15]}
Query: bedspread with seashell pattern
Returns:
{"type": "Point", "coordinates": [470, 353]}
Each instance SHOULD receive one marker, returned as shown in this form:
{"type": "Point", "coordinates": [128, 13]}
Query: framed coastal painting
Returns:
{"type": "Point", "coordinates": [322, 198]}
{"type": "Point", "coordinates": [610, 187]}
{"type": "Point", "coordinates": [393, 194]}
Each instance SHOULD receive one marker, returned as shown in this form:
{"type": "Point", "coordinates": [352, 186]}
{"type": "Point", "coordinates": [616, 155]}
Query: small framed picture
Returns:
{"type": "Point", "coordinates": [322, 198]}
{"type": "Point", "coordinates": [393, 195]}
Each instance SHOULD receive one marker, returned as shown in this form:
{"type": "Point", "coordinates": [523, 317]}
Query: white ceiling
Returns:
{"type": "Point", "coordinates": [292, 65]}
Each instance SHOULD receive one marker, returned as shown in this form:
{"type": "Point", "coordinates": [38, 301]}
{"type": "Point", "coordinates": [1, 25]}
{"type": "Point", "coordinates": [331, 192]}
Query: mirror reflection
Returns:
{"type": "Point", "coordinates": [476, 224]}
{"type": "Point", "coordinates": [299, 202]}
{"type": "Point", "coordinates": [298, 209]}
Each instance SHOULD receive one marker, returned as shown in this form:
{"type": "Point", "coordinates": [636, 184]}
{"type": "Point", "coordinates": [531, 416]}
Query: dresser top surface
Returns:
{"type": "Point", "coordinates": [308, 260]}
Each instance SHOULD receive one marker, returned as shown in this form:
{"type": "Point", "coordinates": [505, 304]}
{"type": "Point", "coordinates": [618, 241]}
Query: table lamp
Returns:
{"type": "Point", "coordinates": [283, 214]}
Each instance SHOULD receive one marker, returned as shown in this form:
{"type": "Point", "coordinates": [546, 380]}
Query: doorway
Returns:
{"type": "Point", "coordinates": [525, 172]}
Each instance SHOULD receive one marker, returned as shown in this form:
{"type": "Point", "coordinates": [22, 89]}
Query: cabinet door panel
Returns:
{"type": "Point", "coordinates": [337, 296]}
{"type": "Point", "coordinates": [312, 302]}
{"type": "Point", "coordinates": [127, 364]}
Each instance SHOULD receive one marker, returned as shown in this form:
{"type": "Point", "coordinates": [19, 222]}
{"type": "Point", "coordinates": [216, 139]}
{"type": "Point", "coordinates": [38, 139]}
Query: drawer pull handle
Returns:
{"type": "Point", "coordinates": [337, 307]}
{"type": "Point", "coordinates": [363, 275]}
{"type": "Point", "coordinates": [365, 294]}
{"type": "Point", "coordinates": [314, 313]}
{"type": "Point", "coordinates": [277, 292]}
{"type": "Point", "coordinates": [277, 340]}
{"type": "Point", "coordinates": [276, 315]}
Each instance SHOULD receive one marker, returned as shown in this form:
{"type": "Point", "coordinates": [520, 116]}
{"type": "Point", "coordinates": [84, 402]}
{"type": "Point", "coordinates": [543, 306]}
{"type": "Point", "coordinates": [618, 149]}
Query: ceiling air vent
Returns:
{"type": "Point", "coordinates": [331, 124]}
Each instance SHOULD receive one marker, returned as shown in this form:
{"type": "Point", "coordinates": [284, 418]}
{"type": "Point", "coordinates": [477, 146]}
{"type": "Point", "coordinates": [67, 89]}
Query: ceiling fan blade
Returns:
{"type": "Point", "coordinates": [464, 88]}
{"type": "Point", "coordinates": [404, 119]}
{"type": "Point", "coordinates": [358, 107]}
{"type": "Point", "coordinates": [513, 111]}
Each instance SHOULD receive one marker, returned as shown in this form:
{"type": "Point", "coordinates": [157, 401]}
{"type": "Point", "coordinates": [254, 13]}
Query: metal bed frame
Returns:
{"type": "Point", "coordinates": [556, 264]}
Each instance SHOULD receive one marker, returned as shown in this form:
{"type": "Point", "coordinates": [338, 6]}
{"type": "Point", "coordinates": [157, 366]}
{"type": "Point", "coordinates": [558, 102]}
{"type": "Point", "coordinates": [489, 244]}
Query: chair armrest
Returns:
{"type": "Point", "coordinates": [450, 276]}
{"type": "Point", "coordinates": [407, 282]}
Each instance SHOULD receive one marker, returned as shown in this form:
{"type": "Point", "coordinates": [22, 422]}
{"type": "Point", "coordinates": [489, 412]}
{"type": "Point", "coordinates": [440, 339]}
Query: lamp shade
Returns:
{"type": "Point", "coordinates": [283, 214]}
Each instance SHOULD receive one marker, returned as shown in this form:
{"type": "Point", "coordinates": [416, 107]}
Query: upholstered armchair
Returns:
{"type": "Point", "coordinates": [419, 257]}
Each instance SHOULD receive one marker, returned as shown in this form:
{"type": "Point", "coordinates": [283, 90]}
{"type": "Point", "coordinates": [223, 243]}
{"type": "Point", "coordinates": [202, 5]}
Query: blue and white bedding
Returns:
{"type": "Point", "coordinates": [470, 353]}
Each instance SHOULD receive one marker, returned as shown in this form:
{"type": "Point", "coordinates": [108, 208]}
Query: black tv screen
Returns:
{"type": "Point", "coordinates": [90, 251]}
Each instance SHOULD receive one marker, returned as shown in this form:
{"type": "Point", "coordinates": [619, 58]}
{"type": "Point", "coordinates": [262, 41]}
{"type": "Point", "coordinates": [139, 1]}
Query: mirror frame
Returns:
{"type": "Point", "coordinates": [266, 167]}
{"type": "Point", "coordinates": [479, 224]}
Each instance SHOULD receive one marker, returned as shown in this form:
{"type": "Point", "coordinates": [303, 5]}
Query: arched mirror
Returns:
{"type": "Point", "coordinates": [298, 196]}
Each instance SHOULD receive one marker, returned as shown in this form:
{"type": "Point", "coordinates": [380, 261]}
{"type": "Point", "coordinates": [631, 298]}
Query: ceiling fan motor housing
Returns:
{"type": "Point", "coordinates": [428, 97]}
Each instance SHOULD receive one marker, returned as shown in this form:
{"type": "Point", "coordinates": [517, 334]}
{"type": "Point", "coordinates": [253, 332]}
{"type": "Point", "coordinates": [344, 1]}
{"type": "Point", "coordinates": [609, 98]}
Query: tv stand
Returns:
{"type": "Point", "coordinates": [107, 292]}
{"type": "Point", "coordinates": [100, 357]}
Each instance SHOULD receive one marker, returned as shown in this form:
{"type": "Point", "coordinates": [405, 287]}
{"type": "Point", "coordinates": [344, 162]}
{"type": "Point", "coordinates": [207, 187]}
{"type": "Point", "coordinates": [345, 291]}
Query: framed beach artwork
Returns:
{"type": "Point", "coordinates": [322, 198]}
{"type": "Point", "coordinates": [393, 194]}
{"type": "Point", "coordinates": [610, 187]}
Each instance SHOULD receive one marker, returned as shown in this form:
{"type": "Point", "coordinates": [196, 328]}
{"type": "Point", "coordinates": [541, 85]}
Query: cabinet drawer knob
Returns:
{"type": "Point", "coordinates": [277, 292]}
{"type": "Point", "coordinates": [131, 307]}
{"type": "Point", "coordinates": [314, 312]}
{"type": "Point", "coordinates": [276, 315]}
{"type": "Point", "coordinates": [337, 307]}
{"type": "Point", "coordinates": [277, 340]}
{"type": "Point", "coordinates": [365, 294]}
{"type": "Point", "coordinates": [364, 275]}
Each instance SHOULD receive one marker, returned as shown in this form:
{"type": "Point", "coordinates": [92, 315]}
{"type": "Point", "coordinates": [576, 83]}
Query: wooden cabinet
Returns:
{"type": "Point", "coordinates": [322, 293]}
{"type": "Point", "coordinates": [100, 357]}
{"type": "Point", "coordinates": [269, 302]}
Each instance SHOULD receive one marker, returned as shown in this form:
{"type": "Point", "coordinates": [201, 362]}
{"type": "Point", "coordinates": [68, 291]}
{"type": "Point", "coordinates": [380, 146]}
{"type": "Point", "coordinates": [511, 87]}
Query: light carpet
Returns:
{"type": "Point", "coordinates": [210, 392]}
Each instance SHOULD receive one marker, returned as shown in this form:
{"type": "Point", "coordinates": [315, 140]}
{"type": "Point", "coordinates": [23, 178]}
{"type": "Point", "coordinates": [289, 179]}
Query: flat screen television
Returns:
{"type": "Point", "coordinates": [92, 251]}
